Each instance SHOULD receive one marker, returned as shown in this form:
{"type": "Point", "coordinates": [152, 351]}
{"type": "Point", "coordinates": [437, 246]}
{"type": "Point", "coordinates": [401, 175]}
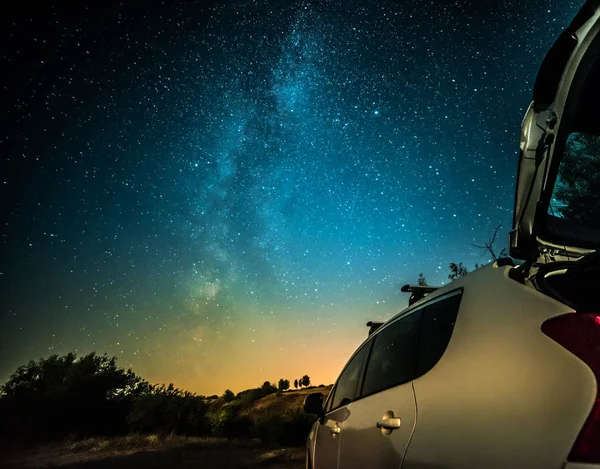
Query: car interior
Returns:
{"type": "Point", "coordinates": [574, 283]}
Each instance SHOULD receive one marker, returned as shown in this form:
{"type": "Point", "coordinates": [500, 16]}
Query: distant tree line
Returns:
{"type": "Point", "coordinates": [69, 396]}
{"type": "Point", "coordinates": [302, 382]}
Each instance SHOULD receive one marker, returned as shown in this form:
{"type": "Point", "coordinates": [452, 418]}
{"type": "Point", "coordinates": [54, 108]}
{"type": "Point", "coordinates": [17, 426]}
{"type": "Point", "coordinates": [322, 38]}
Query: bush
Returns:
{"type": "Point", "coordinates": [61, 396]}
{"type": "Point", "coordinates": [289, 429]}
{"type": "Point", "coordinates": [166, 410]}
{"type": "Point", "coordinates": [238, 427]}
{"type": "Point", "coordinates": [226, 423]}
{"type": "Point", "coordinates": [228, 395]}
{"type": "Point", "coordinates": [91, 396]}
{"type": "Point", "coordinates": [250, 395]}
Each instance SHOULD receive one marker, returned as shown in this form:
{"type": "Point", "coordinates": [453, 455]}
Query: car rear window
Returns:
{"type": "Point", "coordinates": [438, 320]}
{"type": "Point", "coordinates": [393, 359]}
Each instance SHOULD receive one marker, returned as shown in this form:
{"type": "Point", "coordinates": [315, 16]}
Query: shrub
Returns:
{"type": "Point", "coordinates": [248, 396]}
{"type": "Point", "coordinates": [228, 395]}
{"type": "Point", "coordinates": [288, 429]}
{"type": "Point", "coordinates": [225, 422]}
{"type": "Point", "coordinates": [65, 395]}
{"type": "Point", "coordinates": [91, 396]}
{"type": "Point", "coordinates": [238, 427]}
{"type": "Point", "coordinates": [166, 410]}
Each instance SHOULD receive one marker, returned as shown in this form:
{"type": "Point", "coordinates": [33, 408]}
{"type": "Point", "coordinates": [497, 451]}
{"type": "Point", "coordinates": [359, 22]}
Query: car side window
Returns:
{"type": "Point", "coordinates": [329, 400]}
{"type": "Point", "coordinates": [346, 388]}
{"type": "Point", "coordinates": [393, 359]}
{"type": "Point", "coordinates": [437, 327]}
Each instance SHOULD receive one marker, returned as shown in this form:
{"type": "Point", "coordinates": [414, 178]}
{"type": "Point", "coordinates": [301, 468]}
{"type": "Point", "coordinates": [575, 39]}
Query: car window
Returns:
{"type": "Point", "coordinates": [437, 327]}
{"type": "Point", "coordinates": [346, 389]}
{"type": "Point", "coordinates": [393, 359]}
{"type": "Point", "coordinates": [574, 208]}
{"type": "Point", "coordinates": [329, 402]}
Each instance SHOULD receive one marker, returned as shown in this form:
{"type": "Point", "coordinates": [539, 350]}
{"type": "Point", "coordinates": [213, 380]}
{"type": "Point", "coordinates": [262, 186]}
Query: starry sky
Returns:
{"type": "Point", "coordinates": [224, 193]}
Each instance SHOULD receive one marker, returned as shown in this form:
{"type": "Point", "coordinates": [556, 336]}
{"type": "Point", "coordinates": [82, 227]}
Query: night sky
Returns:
{"type": "Point", "coordinates": [222, 194]}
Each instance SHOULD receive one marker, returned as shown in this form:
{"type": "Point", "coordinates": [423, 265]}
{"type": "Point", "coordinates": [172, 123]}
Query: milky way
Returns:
{"type": "Point", "coordinates": [224, 194]}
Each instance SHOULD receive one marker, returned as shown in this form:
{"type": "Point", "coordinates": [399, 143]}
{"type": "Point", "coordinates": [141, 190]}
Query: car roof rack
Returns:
{"type": "Point", "coordinates": [417, 292]}
{"type": "Point", "coordinates": [374, 325]}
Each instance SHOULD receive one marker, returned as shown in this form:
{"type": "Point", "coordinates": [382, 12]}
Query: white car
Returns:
{"type": "Point", "coordinates": [500, 368]}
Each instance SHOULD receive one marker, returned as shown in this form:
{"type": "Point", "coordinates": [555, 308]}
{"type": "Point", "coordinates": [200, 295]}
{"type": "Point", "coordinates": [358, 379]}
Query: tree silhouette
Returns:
{"type": "Point", "coordinates": [60, 395]}
{"type": "Point", "coordinates": [421, 280]}
{"type": "Point", "coordinates": [228, 395]}
{"type": "Point", "coordinates": [296, 383]}
{"type": "Point", "coordinates": [489, 246]}
{"type": "Point", "coordinates": [457, 270]}
{"type": "Point", "coordinates": [305, 380]}
{"type": "Point", "coordinates": [578, 186]}
{"type": "Point", "coordinates": [283, 384]}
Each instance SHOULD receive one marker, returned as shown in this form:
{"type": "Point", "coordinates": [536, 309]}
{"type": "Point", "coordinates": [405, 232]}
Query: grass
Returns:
{"type": "Point", "coordinates": [153, 452]}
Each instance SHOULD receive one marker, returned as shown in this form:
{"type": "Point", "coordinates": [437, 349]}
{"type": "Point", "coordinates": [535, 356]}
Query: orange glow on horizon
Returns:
{"type": "Point", "coordinates": [246, 364]}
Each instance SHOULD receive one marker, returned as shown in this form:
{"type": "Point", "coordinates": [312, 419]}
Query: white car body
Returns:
{"type": "Point", "coordinates": [488, 371]}
{"type": "Point", "coordinates": [503, 395]}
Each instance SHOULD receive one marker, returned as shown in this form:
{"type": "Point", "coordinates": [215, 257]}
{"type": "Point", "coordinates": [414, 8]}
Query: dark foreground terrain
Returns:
{"type": "Point", "coordinates": [151, 451]}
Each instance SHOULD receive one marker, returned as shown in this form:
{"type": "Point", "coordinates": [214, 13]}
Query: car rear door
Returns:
{"type": "Point", "coordinates": [434, 432]}
{"type": "Point", "coordinates": [378, 425]}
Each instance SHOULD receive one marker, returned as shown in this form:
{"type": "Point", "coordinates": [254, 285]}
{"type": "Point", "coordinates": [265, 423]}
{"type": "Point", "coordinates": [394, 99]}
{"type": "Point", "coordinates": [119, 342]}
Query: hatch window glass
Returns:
{"type": "Point", "coordinates": [393, 360]}
{"type": "Point", "coordinates": [576, 195]}
{"type": "Point", "coordinates": [574, 206]}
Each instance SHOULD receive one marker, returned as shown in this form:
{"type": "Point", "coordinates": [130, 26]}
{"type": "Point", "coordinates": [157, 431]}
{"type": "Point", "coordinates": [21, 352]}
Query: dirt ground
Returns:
{"type": "Point", "coordinates": [151, 452]}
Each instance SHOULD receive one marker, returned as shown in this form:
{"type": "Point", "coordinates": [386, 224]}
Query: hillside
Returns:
{"type": "Point", "coordinates": [284, 403]}
{"type": "Point", "coordinates": [273, 415]}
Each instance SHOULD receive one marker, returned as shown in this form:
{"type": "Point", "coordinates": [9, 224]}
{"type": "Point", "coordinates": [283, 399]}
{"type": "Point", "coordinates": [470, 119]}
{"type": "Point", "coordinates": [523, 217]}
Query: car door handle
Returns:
{"type": "Point", "coordinates": [389, 423]}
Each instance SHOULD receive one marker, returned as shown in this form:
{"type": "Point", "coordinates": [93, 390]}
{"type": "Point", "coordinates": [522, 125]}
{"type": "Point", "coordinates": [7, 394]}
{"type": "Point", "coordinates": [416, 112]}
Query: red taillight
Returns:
{"type": "Point", "coordinates": [580, 334]}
